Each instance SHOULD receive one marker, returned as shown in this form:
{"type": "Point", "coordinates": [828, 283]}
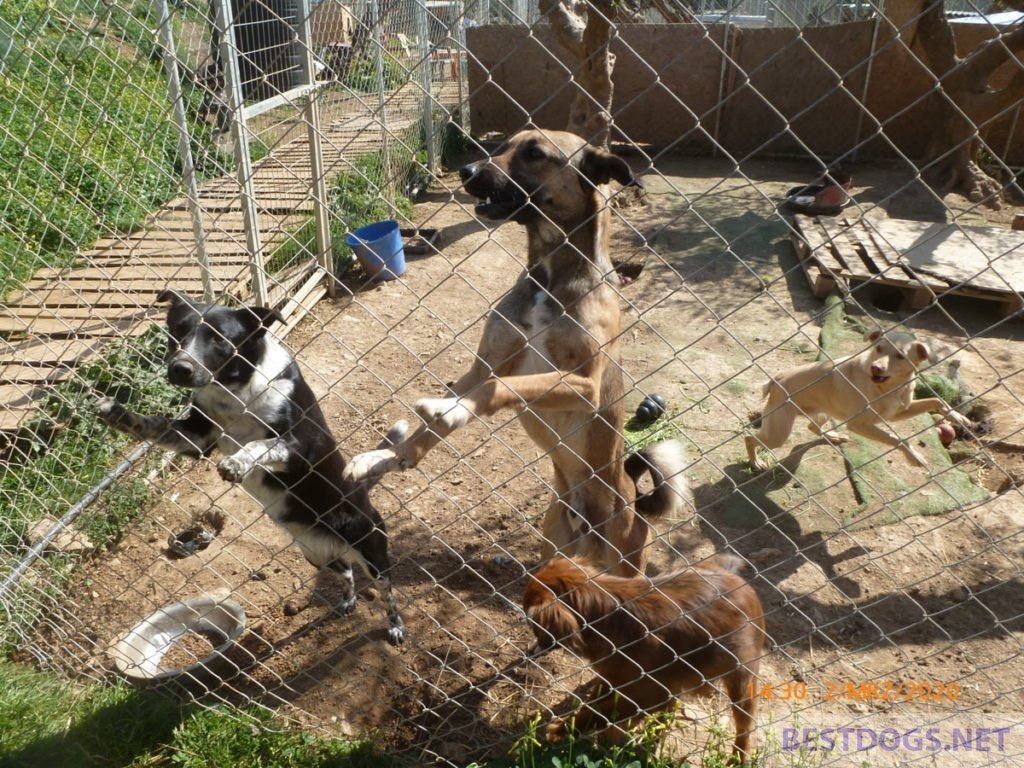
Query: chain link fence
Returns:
{"type": "Point", "coordinates": [811, 172]}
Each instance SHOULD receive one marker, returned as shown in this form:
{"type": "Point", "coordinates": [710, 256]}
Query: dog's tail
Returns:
{"type": "Point", "coordinates": [666, 462]}
{"type": "Point", "coordinates": [394, 436]}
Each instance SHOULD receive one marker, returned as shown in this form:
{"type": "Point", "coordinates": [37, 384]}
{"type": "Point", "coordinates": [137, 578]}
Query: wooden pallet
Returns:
{"type": "Point", "coordinates": [61, 317]}
{"type": "Point", "coordinates": [924, 260]}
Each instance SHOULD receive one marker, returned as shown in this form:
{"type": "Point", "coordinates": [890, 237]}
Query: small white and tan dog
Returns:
{"type": "Point", "coordinates": [862, 393]}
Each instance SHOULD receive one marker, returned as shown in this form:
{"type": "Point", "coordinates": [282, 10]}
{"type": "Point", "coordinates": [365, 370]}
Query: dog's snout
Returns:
{"type": "Point", "coordinates": [467, 172]}
{"type": "Point", "coordinates": [180, 371]}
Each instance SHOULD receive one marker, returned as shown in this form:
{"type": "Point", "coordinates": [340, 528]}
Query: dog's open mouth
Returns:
{"type": "Point", "coordinates": [500, 205]}
{"type": "Point", "coordinates": [879, 378]}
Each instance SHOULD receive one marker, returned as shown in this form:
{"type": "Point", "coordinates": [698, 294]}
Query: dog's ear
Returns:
{"type": "Point", "coordinates": [553, 623]}
{"type": "Point", "coordinates": [920, 352]}
{"type": "Point", "coordinates": [265, 315]}
{"type": "Point", "coordinates": [171, 296]}
{"type": "Point", "coordinates": [600, 167]}
{"type": "Point", "coordinates": [874, 335]}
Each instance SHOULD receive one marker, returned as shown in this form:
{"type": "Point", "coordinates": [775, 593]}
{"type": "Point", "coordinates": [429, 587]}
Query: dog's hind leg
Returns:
{"type": "Point", "coordinates": [348, 585]}
{"type": "Point", "coordinates": [739, 687]}
{"type": "Point", "coordinates": [776, 426]}
{"type": "Point", "coordinates": [819, 425]}
{"type": "Point", "coordinates": [373, 558]}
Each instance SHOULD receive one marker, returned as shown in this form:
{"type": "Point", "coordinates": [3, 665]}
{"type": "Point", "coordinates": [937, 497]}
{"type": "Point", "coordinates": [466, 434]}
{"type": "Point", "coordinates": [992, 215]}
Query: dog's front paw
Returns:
{"type": "Point", "coordinates": [110, 412]}
{"type": "Point", "coordinates": [959, 419]}
{"type": "Point", "coordinates": [370, 465]}
{"type": "Point", "coordinates": [451, 412]}
{"type": "Point", "coordinates": [346, 606]}
{"type": "Point", "coordinates": [396, 634]}
{"type": "Point", "coordinates": [234, 468]}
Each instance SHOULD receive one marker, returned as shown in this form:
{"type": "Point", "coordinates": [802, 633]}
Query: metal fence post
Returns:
{"type": "Point", "coordinates": [240, 135]}
{"type": "Point", "coordinates": [318, 183]}
{"type": "Point", "coordinates": [423, 32]}
{"type": "Point", "coordinates": [188, 168]}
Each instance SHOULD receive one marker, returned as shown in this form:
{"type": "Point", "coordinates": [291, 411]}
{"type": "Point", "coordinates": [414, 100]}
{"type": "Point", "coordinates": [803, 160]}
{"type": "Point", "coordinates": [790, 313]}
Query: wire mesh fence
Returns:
{"type": "Point", "coordinates": [810, 174]}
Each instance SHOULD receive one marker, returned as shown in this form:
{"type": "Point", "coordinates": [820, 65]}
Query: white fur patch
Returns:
{"type": "Point", "coordinates": [370, 464]}
{"type": "Point", "coordinates": [452, 412]}
{"type": "Point", "coordinates": [245, 410]}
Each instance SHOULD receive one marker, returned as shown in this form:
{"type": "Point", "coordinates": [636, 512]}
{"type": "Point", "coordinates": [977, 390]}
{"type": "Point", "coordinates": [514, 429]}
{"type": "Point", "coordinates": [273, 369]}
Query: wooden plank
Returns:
{"type": "Point", "coordinates": [823, 251]}
{"type": "Point", "coordinates": [81, 312]}
{"type": "Point", "coordinates": [158, 247]}
{"type": "Point", "coordinates": [71, 327]}
{"type": "Point", "coordinates": [126, 284]}
{"type": "Point", "coordinates": [140, 272]}
{"type": "Point", "coordinates": [35, 375]}
{"type": "Point", "coordinates": [49, 352]}
{"type": "Point", "coordinates": [820, 283]}
{"type": "Point", "coordinates": [981, 257]}
{"type": "Point", "coordinates": [12, 418]}
{"type": "Point", "coordinates": [142, 296]}
{"type": "Point", "coordinates": [17, 396]}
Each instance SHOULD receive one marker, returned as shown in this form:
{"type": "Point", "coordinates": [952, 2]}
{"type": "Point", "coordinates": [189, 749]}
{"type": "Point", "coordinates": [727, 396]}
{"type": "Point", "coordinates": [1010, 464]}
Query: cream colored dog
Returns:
{"type": "Point", "coordinates": [862, 392]}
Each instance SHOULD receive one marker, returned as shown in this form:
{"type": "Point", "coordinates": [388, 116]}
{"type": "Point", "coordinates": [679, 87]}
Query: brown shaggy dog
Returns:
{"type": "Point", "coordinates": [651, 639]}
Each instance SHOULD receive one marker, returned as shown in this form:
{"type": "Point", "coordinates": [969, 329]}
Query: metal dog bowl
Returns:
{"type": "Point", "coordinates": [140, 654]}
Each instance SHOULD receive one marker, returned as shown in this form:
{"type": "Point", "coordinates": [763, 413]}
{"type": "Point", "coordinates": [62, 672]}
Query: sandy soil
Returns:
{"type": "Point", "coordinates": [721, 302]}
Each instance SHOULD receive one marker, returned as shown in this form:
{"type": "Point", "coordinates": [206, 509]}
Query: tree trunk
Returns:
{"type": "Point", "coordinates": [584, 31]}
{"type": "Point", "coordinates": [963, 102]}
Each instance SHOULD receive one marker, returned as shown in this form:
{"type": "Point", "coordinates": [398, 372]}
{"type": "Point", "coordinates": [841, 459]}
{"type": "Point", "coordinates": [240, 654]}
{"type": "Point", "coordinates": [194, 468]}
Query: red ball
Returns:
{"type": "Point", "coordinates": [947, 434]}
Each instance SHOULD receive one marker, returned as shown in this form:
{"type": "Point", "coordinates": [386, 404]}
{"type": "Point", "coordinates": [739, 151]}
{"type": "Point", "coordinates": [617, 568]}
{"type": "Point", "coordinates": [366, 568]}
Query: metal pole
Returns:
{"type": "Point", "coordinates": [460, 49]}
{"type": "Point", "coordinates": [423, 31]}
{"type": "Point", "coordinates": [375, 36]}
{"type": "Point", "coordinates": [318, 182]}
{"type": "Point", "coordinates": [12, 578]}
{"type": "Point", "coordinates": [519, 9]}
{"type": "Point", "coordinates": [240, 135]}
{"type": "Point", "coordinates": [188, 168]}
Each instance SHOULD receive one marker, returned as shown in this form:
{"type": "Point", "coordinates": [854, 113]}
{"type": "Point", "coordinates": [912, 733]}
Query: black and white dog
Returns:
{"type": "Point", "coordinates": [250, 401]}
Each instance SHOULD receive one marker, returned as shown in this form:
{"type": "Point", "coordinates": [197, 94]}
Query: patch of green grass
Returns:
{"type": "Point", "coordinates": [365, 194]}
{"type": "Point", "coordinates": [67, 451]}
{"type": "Point", "coordinates": [361, 75]}
{"type": "Point", "coordinates": [85, 140]}
{"type": "Point", "coordinates": [222, 738]}
{"type": "Point", "coordinates": [937, 385]}
{"type": "Point", "coordinates": [45, 720]}
{"type": "Point", "coordinates": [645, 747]}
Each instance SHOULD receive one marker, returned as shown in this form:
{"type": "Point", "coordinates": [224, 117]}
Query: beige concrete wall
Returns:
{"type": "Point", "coordinates": [779, 91]}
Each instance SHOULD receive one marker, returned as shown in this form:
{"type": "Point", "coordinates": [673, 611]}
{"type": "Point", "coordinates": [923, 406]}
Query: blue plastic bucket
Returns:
{"type": "Point", "coordinates": [379, 249]}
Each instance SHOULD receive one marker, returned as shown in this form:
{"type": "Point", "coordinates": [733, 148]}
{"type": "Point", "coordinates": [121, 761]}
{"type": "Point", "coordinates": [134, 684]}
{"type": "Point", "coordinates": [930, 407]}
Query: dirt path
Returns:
{"type": "Point", "coordinates": [719, 304]}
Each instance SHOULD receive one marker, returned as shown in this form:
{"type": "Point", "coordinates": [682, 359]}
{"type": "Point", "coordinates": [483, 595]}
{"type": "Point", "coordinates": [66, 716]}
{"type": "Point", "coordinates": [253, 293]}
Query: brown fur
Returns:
{"type": "Point", "coordinates": [550, 350]}
{"type": "Point", "coordinates": [651, 639]}
{"type": "Point", "coordinates": [862, 392]}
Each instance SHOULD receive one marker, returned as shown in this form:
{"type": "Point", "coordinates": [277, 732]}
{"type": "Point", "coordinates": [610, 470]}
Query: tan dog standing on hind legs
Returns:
{"type": "Point", "coordinates": [862, 393]}
{"type": "Point", "coordinates": [550, 350]}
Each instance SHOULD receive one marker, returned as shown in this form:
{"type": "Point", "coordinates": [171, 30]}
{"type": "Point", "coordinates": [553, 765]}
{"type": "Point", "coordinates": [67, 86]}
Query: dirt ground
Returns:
{"type": "Point", "coordinates": [720, 302]}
